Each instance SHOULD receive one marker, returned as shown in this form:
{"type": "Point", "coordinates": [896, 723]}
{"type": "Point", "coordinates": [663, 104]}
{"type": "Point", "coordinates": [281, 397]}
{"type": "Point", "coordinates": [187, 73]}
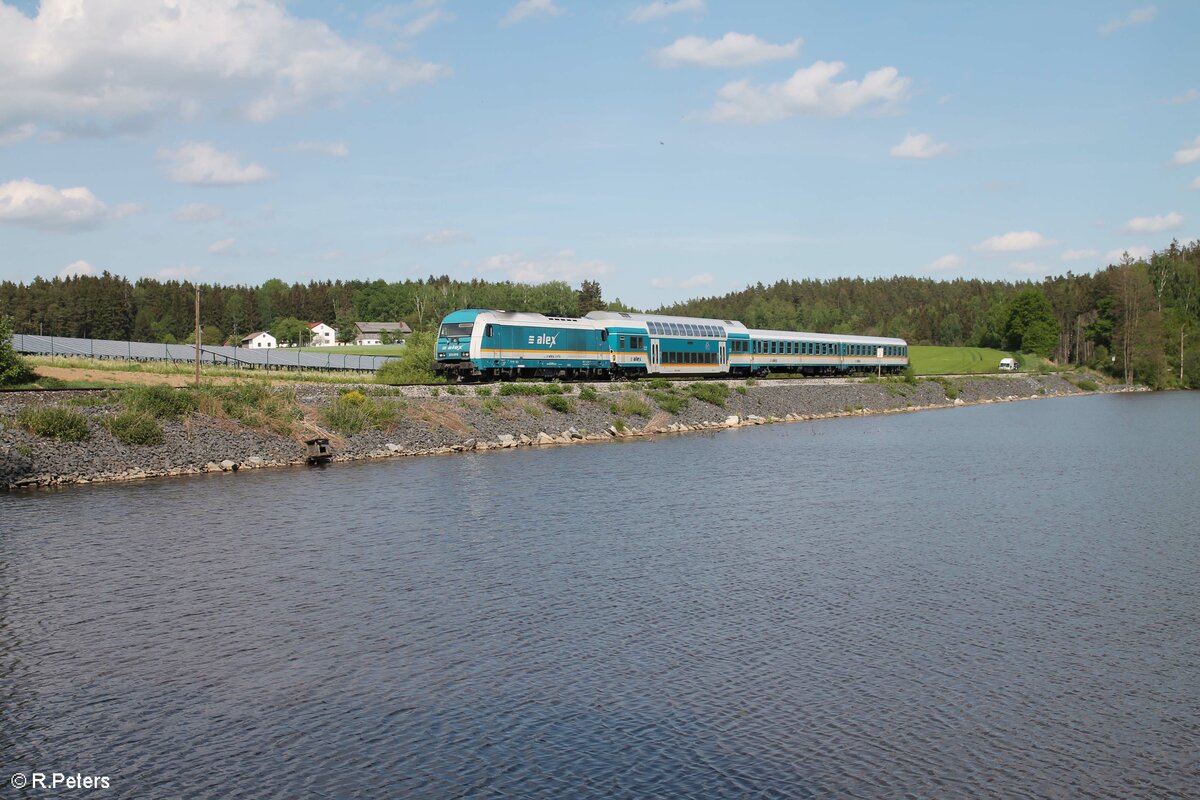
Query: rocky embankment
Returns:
{"type": "Point", "coordinates": [426, 421]}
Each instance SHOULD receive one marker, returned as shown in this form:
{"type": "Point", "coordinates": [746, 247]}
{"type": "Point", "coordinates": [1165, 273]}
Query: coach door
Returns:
{"type": "Point", "coordinates": [721, 358]}
{"type": "Point", "coordinates": [654, 355]}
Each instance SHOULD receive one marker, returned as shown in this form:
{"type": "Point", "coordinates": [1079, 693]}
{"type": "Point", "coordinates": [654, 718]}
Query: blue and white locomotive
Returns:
{"type": "Point", "coordinates": [475, 343]}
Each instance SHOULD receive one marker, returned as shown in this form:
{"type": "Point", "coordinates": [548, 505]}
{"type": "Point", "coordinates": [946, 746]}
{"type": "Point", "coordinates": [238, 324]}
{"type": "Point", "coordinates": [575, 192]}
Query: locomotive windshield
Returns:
{"type": "Point", "coordinates": [451, 329]}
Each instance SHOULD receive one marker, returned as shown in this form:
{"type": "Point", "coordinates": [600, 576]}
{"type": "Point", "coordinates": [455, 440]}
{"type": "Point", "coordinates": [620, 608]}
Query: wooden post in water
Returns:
{"type": "Point", "coordinates": [197, 336]}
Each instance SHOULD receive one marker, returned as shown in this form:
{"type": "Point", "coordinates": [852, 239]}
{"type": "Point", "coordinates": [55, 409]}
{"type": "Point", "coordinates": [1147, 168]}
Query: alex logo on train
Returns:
{"type": "Point", "coordinates": [544, 338]}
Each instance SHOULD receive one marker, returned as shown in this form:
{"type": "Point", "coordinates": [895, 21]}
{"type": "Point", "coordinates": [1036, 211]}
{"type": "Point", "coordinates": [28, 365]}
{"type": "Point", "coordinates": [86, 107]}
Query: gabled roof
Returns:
{"type": "Point", "coordinates": [254, 335]}
{"type": "Point", "coordinates": [380, 327]}
{"type": "Point", "coordinates": [312, 325]}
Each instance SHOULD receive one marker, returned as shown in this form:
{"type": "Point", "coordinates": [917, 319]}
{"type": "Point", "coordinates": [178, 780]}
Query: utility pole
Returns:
{"type": "Point", "coordinates": [197, 336]}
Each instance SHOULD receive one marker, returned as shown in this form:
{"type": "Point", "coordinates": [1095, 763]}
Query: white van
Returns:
{"type": "Point", "coordinates": [1007, 365]}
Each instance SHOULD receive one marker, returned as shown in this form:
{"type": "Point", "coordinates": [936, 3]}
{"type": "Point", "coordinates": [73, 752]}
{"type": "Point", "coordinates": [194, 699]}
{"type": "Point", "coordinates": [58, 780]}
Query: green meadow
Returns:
{"type": "Point", "coordinates": [927, 360]}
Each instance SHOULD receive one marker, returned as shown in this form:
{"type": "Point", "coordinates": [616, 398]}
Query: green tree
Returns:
{"type": "Point", "coordinates": [590, 297]}
{"type": "Point", "coordinates": [1031, 326]}
{"type": "Point", "coordinates": [291, 331]}
{"type": "Point", "coordinates": [13, 369]}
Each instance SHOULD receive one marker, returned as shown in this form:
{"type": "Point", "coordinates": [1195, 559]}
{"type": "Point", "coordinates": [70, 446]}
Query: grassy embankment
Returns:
{"type": "Point", "coordinates": [955, 360]}
{"type": "Point", "coordinates": [105, 373]}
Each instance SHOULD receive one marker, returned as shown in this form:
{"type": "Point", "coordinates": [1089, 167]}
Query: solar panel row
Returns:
{"type": "Point", "coordinates": [233, 356]}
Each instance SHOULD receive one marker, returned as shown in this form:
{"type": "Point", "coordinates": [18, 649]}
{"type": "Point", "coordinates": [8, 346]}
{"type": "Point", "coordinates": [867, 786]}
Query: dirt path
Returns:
{"type": "Point", "coordinates": [119, 377]}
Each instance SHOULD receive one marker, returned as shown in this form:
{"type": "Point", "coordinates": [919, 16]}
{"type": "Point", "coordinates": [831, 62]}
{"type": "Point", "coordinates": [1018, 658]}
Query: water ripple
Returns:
{"type": "Point", "coordinates": [985, 602]}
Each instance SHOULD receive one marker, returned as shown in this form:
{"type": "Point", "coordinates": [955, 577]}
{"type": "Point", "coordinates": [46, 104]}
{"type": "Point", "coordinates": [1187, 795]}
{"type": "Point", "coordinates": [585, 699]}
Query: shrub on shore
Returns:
{"type": "Point", "coordinates": [254, 404]}
{"type": "Point", "coordinates": [715, 393]}
{"type": "Point", "coordinates": [668, 401]}
{"type": "Point", "coordinates": [531, 389]}
{"type": "Point", "coordinates": [559, 403]}
{"type": "Point", "coordinates": [161, 402]}
{"type": "Point", "coordinates": [354, 412]}
{"type": "Point", "coordinates": [631, 406]}
{"type": "Point", "coordinates": [135, 428]}
{"type": "Point", "coordinates": [55, 422]}
{"type": "Point", "coordinates": [13, 369]}
{"type": "Point", "coordinates": [414, 365]}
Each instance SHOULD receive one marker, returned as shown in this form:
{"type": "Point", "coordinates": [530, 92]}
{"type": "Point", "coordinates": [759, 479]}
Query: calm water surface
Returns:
{"type": "Point", "coordinates": [989, 601]}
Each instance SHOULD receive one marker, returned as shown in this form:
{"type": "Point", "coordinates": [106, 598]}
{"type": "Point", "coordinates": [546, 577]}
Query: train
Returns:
{"type": "Point", "coordinates": [480, 344]}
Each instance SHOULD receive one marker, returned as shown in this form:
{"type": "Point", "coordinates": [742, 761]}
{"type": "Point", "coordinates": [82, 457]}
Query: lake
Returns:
{"type": "Point", "coordinates": [997, 600]}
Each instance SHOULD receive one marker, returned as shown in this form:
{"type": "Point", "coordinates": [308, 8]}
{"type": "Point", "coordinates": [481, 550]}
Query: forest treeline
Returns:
{"type": "Point", "coordinates": [1138, 319]}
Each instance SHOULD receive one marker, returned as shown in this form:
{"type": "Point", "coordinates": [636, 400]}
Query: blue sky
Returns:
{"type": "Point", "coordinates": [667, 149]}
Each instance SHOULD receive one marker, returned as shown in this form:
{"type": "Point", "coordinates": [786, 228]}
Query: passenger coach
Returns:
{"type": "Point", "coordinates": [476, 343]}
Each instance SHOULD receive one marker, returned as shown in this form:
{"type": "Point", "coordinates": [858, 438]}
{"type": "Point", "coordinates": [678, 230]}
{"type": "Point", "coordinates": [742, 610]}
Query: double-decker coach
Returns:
{"type": "Point", "coordinates": [655, 344]}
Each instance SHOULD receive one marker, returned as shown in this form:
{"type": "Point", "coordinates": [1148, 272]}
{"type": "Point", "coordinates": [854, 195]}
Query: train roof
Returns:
{"type": "Point", "coordinates": [823, 337]}
{"type": "Point", "coordinates": [623, 316]}
{"type": "Point", "coordinates": [532, 318]}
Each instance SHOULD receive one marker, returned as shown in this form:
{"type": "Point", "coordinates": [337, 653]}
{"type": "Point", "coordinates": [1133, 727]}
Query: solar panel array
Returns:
{"type": "Point", "coordinates": [269, 358]}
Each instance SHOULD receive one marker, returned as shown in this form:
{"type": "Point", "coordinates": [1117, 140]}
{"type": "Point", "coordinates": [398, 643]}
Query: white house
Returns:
{"type": "Point", "coordinates": [322, 334]}
{"type": "Point", "coordinates": [259, 339]}
{"type": "Point", "coordinates": [372, 332]}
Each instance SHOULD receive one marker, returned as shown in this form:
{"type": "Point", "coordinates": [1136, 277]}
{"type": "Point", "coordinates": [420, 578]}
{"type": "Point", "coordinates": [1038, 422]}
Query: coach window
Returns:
{"type": "Point", "coordinates": [487, 330]}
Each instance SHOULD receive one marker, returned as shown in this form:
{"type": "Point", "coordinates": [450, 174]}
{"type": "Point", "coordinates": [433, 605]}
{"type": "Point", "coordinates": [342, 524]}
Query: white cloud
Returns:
{"type": "Point", "coordinates": [918, 145]}
{"type": "Point", "coordinates": [177, 273]}
{"type": "Point", "coordinates": [1079, 255]}
{"type": "Point", "coordinates": [37, 205]}
{"type": "Point", "coordinates": [223, 247]}
{"type": "Point", "coordinates": [201, 164]}
{"type": "Point", "coordinates": [16, 133]}
{"type": "Point", "coordinates": [1136, 252]}
{"type": "Point", "coordinates": [663, 8]}
{"type": "Point", "coordinates": [1188, 155]}
{"type": "Point", "coordinates": [1154, 224]}
{"type": "Point", "coordinates": [409, 19]}
{"type": "Point", "coordinates": [561, 266]}
{"type": "Point", "coordinates": [527, 9]}
{"type": "Point", "coordinates": [946, 262]}
{"type": "Point", "coordinates": [1028, 267]}
{"type": "Point", "coordinates": [1014, 242]}
{"type": "Point", "coordinates": [441, 237]}
{"type": "Point", "coordinates": [77, 268]}
{"type": "Point", "coordinates": [126, 65]}
{"type": "Point", "coordinates": [810, 91]}
{"type": "Point", "coordinates": [1190, 96]}
{"type": "Point", "coordinates": [339, 149]}
{"type": "Point", "coordinates": [691, 282]}
{"type": "Point", "coordinates": [731, 50]}
{"type": "Point", "coordinates": [1139, 16]}
{"type": "Point", "coordinates": [198, 212]}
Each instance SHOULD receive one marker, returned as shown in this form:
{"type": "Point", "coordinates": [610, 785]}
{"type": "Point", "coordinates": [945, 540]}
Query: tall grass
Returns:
{"type": "Point", "coordinates": [715, 393]}
{"type": "Point", "coordinates": [135, 428]}
{"type": "Point", "coordinates": [55, 422]}
{"type": "Point", "coordinates": [354, 412]}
